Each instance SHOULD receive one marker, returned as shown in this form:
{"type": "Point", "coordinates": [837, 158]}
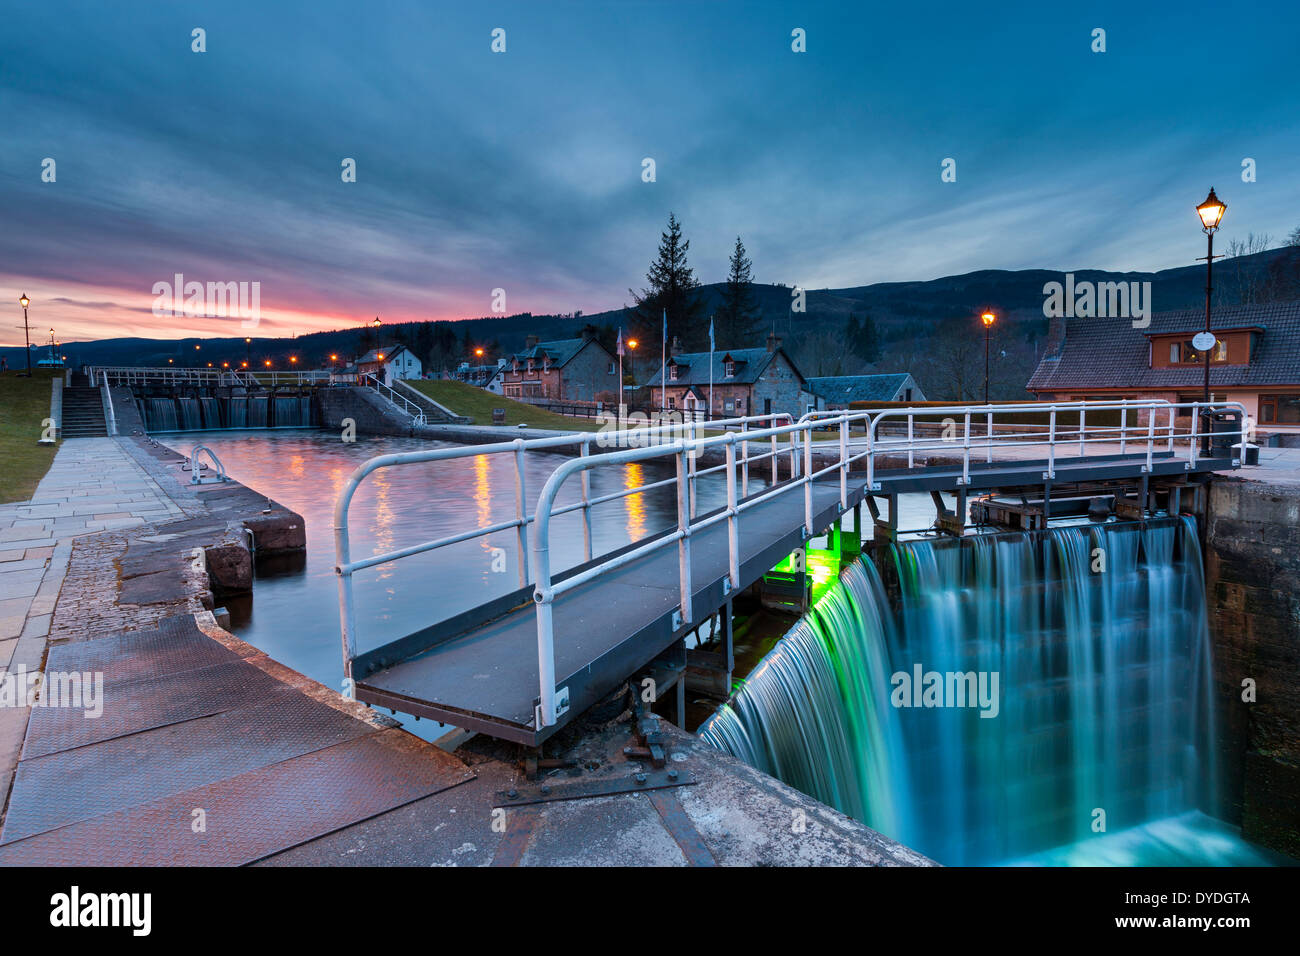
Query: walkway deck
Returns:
{"type": "Point", "coordinates": [481, 671]}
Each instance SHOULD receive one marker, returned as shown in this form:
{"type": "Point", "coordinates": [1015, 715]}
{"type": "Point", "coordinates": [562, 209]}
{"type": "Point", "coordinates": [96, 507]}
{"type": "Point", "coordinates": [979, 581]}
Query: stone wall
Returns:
{"type": "Point", "coordinates": [1253, 590]}
{"type": "Point", "coordinates": [371, 413]}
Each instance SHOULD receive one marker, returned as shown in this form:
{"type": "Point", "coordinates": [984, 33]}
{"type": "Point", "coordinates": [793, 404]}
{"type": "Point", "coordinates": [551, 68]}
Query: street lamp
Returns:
{"type": "Point", "coordinates": [24, 302]}
{"type": "Point", "coordinates": [988, 318]}
{"type": "Point", "coordinates": [1211, 213]}
{"type": "Point", "coordinates": [248, 345]}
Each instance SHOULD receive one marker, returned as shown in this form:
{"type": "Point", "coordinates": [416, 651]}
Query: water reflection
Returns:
{"type": "Point", "coordinates": [635, 504]}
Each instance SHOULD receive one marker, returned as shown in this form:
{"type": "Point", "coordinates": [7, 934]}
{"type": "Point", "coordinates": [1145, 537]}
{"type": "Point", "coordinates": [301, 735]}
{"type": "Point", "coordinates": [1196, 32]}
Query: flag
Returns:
{"type": "Point", "coordinates": [619, 345]}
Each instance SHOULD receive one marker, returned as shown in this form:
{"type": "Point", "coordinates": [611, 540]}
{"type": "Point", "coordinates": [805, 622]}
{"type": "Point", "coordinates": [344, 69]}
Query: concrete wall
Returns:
{"type": "Point", "coordinates": [1253, 589]}
{"type": "Point", "coordinates": [371, 413]}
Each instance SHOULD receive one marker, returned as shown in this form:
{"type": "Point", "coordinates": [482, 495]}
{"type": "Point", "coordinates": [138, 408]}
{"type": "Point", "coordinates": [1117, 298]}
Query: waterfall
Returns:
{"type": "Point", "coordinates": [189, 414]}
{"type": "Point", "coordinates": [1023, 686]}
{"type": "Point", "coordinates": [161, 415]}
{"type": "Point", "coordinates": [257, 411]}
{"type": "Point", "coordinates": [211, 409]}
{"type": "Point", "coordinates": [237, 413]}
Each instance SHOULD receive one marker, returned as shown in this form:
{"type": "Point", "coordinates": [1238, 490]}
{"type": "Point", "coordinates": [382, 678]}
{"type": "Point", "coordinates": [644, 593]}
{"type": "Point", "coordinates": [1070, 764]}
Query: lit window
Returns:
{"type": "Point", "coordinates": [672, 372]}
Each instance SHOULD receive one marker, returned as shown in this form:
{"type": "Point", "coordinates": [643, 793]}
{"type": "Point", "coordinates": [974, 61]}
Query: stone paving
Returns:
{"type": "Point", "coordinates": [92, 486]}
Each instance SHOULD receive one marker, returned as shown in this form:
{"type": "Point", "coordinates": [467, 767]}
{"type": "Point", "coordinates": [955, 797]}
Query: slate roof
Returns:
{"type": "Point", "coordinates": [388, 352]}
{"type": "Point", "coordinates": [560, 351]}
{"type": "Point", "coordinates": [857, 388]}
{"type": "Point", "coordinates": [693, 367]}
{"type": "Point", "coordinates": [1110, 353]}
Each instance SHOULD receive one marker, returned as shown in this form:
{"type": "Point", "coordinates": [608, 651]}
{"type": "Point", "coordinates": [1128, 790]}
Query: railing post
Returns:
{"type": "Point", "coordinates": [521, 511]}
{"type": "Point", "coordinates": [744, 459]}
{"type": "Point", "coordinates": [691, 433]}
{"type": "Point", "coordinates": [1172, 426]}
{"type": "Point", "coordinates": [1151, 438]}
{"type": "Point", "coordinates": [844, 464]}
{"type": "Point", "coordinates": [911, 431]}
{"type": "Point", "coordinates": [1123, 427]}
{"type": "Point", "coordinates": [1083, 409]}
{"type": "Point", "coordinates": [733, 531]}
{"type": "Point", "coordinates": [807, 479]}
{"type": "Point", "coordinates": [965, 454]}
{"type": "Point", "coordinates": [1051, 444]}
{"type": "Point", "coordinates": [1195, 437]}
{"type": "Point", "coordinates": [988, 437]}
{"type": "Point", "coordinates": [776, 459]}
{"type": "Point", "coordinates": [585, 483]}
{"type": "Point", "coordinates": [684, 541]}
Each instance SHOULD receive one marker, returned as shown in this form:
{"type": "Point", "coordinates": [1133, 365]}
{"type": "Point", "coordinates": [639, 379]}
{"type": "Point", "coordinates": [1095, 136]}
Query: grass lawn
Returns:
{"type": "Point", "coordinates": [477, 404]}
{"type": "Point", "coordinates": [24, 404]}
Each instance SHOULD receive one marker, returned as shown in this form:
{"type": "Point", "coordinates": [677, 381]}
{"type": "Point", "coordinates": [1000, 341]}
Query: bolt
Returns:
{"type": "Point", "coordinates": [512, 793]}
{"type": "Point", "coordinates": [640, 778]}
{"type": "Point", "coordinates": [672, 774]}
{"type": "Point", "coordinates": [545, 790]}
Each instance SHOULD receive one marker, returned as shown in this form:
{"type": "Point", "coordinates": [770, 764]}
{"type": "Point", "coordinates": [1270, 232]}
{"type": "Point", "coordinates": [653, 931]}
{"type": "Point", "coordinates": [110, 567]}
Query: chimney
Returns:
{"type": "Point", "coordinates": [530, 343]}
{"type": "Point", "coordinates": [773, 341]}
{"type": "Point", "coordinates": [1055, 344]}
{"type": "Point", "coordinates": [588, 333]}
{"type": "Point", "coordinates": [676, 348]}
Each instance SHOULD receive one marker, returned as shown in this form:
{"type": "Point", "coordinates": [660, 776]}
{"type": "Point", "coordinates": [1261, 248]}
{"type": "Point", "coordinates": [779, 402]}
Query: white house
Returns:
{"type": "Point", "coordinates": [389, 364]}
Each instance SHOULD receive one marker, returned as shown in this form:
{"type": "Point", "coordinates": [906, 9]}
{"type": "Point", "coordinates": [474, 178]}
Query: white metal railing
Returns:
{"type": "Point", "coordinates": [196, 468]}
{"type": "Point", "coordinates": [656, 436]}
{"type": "Point", "coordinates": [167, 375]}
{"type": "Point", "coordinates": [825, 434]}
{"type": "Point", "coordinates": [108, 405]}
{"type": "Point", "coordinates": [402, 403]}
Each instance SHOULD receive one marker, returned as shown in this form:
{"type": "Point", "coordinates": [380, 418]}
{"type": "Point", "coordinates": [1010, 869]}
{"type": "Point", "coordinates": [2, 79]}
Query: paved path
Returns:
{"type": "Point", "coordinates": [93, 485]}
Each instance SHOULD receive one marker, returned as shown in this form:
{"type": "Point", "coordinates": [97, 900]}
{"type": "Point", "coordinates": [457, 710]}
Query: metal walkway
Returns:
{"type": "Point", "coordinates": [520, 666]}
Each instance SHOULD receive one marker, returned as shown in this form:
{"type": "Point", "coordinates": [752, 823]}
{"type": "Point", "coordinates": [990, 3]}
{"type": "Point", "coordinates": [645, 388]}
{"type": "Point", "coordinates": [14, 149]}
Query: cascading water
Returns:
{"type": "Point", "coordinates": [190, 419]}
{"type": "Point", "coordinates": [237, 413]}
{"type": "Point", "coordinates": [1025, 686]}
{"type": "Point", "coordinates": [257, 411]}
{"type": "Point", "coordinates": [211, 408]}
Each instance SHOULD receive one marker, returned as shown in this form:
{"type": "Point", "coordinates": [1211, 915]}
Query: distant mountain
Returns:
{"type": "Point", "coordinates": [903, 311]}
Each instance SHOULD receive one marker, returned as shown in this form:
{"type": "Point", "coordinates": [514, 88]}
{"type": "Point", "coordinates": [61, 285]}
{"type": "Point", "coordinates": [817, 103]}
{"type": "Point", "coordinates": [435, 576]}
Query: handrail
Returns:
{"type": "Point", "coordinates": [345, 567]}
{"type": "Point", "coordinates": [407, 406]}
{"type": "Point", "coordinates": [247, 378]}
{"type": "Point", "coordinates": [687, 441]}
{"type": "Point", "coordinates": [195, 467]}
{"type": "Point", "coordinates": [108, 401]}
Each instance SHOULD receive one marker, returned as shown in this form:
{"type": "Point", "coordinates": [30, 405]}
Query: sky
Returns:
{"type": "Point", "coordinates": [523, 170]}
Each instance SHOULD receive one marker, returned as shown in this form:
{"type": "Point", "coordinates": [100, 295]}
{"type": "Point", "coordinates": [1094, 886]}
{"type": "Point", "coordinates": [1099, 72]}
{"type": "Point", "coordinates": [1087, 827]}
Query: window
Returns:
{"type": "Point", "coordinates": [672, 402]}
{"type": "Point", "coordinates": [1184, 353]}
{"type": "Point", "coordinates": [1280, 409]}
{"type": "Point", "coordinates": [613, 368]}
{"type": "Point", "coordinates": [672, 373]}
{"type": "Point", "coordinates": [728, 369]}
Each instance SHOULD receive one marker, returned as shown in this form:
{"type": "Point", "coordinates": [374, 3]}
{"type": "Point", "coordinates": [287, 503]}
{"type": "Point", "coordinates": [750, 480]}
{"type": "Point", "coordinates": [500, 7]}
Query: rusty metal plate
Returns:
{"type": "Point", "coordinates": [131, 770]}
{"type": "Point", "coordinates": [136, 705]}
{"type": "Point", "coordinates": [681, 829]}
{"type": "Point", "coordinates": [582, 789]}
{"type": "Point", "coordinates": [175, 645]}
{"type": "Point", "coordinates": [519, 833]}
{"type": "Point", "coordinates": [256, 814]}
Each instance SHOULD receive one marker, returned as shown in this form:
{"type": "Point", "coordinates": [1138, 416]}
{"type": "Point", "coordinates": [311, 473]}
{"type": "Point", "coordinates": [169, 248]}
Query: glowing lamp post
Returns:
{"type": "Point", "coordinates": [1211, 212]}
{"type": "Point", "coordinates": [988, 318]}
{"type": "Point", "coordinates": [25, 302]}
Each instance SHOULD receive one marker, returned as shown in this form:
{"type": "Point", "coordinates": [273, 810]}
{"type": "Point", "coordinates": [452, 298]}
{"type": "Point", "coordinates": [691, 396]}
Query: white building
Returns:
{"type": "Point", "coordinates": [391, 363]}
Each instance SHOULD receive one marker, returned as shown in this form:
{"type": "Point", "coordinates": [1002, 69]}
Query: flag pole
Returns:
{"type": "Point", "coordinates": [709, 412]}
{"type": "Point", "coordinates": [621, 414]}
{"type": "Point", "coordinates": [663, 370]}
